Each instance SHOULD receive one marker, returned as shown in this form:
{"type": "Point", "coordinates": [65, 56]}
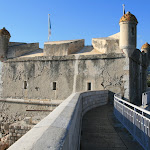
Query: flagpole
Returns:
{"type": "Point", "coordinates": [48, 26]}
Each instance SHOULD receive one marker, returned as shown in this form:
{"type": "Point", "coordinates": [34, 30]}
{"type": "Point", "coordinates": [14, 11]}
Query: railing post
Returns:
{"type": "Point", "coordinates": [114, 105]}
{"type": "Point", "coordinates": [147, 136]}
{"type": "Point", "coordinates": [142, 127]}
{"type": "Point", "coordinates": [134, 120]}
{"type": "Point", "coordinates": [123, 112]}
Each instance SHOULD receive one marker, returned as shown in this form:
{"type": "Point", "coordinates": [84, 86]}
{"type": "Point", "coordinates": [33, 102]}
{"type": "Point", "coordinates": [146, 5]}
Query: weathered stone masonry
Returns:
{"type": "Point", "coordinates": [71, 74]}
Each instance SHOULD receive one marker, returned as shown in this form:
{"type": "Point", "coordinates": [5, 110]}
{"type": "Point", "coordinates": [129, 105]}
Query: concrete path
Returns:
{"type": "Point", "coordinates": [102, 131]}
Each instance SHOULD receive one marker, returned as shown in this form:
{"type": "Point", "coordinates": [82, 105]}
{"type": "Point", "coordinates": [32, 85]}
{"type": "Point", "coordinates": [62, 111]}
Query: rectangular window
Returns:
{"type": "Point", "coordinates": [25, 84]}
{"type": "Point", "coordinates": [89, 86]}
{"type": "Point", "coordinates": [54, 85]}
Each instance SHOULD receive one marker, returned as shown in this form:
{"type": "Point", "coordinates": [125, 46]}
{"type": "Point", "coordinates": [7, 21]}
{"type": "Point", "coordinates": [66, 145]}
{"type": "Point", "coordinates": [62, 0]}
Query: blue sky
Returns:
{"type": "Point", "coordinates": [27, 20]}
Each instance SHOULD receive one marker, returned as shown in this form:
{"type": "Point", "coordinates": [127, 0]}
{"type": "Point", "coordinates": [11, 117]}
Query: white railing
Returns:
{"type": "Point", "coordinates": [135, 119]}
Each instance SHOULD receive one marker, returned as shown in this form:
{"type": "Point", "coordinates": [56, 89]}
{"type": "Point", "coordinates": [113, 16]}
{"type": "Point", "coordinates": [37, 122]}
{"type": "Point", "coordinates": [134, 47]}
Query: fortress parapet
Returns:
{"type": "Point", "coordinates": [108, 44]}
{"type": "Point", "coordinates": [62, 48]}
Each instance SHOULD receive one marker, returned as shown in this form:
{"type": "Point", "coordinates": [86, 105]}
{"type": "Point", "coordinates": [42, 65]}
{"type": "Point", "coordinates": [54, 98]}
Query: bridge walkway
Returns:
{"type": "Point", "coordinates": [102, 131]}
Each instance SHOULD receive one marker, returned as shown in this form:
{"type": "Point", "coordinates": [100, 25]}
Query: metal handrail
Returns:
{"type": "Point", "coordinates": [134, 106]}
{"type": "Point", "coordinates": [135, 119]}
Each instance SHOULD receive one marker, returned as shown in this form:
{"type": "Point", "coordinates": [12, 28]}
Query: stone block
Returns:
{"type": "Point", "coordinates": [11, 127]}
{"type": "Point", "coordinates": [28, 120]}
{"type": "Point", "coordinates": [19, 135]}
{"type": "Point", "coordinates": [106, 45]}
{"type": "Point", "coordinates": [14, 134]}
{"type": "Point", "coordinates": [61, 48]}
{"type": "Point", "coordinates": [10, 134]}
{"type": "Point", "coordinates": [18, 127]}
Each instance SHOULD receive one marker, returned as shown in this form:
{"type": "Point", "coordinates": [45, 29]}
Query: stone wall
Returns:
{"type": "Point", "coordinates": [12, 110]}
{"type": "Point", "coordinates": [1, 82]}
{"type": "Point", "coordinates": [62, 48]}
{"type": "Point", "coordinates": [135, 77]}
{"type": "Point", "coordinates": [16, 131]}
{"type": "Point", "coordinates": [138, 85]}
{"type": "Point", "coordinates": [35, 78]}
{"type": "Point", "coordinates": [62, 128]}
{"type": "Point", "coordinates": [18, 49]}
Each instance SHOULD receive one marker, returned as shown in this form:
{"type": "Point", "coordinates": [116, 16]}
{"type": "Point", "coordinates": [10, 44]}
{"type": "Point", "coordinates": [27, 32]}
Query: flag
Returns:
{"type": "Point", "coordinates": [49, 27]}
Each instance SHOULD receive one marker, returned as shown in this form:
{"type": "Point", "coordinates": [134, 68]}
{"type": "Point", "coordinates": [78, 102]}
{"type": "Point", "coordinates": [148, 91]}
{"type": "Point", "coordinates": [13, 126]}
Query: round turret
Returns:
{"type": "Point", "coordinates": [128, 33]}
{"type": "Point", "coordinates": [146, 49]}
{"type": "Point", "coordinates": [4, 40]}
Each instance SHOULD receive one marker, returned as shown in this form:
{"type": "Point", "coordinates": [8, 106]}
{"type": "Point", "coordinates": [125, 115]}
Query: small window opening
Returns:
{"type": "Point", "coordinates": [25, 84]}
{"type": "Point", "coordinates": [132, 30]}
{"type": "Point", "coordinates": [54, 85]}
{"type": "Point", "coordinates": [89, 86]}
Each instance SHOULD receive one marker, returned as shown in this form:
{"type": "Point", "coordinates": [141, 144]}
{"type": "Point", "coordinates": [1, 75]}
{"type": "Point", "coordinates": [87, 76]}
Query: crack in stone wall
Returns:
{"type": "Point", "coordinates": [114, 80]}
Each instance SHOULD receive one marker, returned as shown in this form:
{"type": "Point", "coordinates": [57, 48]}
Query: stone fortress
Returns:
{"type": "Point", "coordinates": [35, 80]}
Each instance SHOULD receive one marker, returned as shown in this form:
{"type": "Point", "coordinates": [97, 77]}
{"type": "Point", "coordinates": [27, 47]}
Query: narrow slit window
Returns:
{"type": "Point", "coordinates": [89, 86]}
{"type": "Point", "coordinates": [25, 85]}
{"type": "Point", "coordinates": [132, 30]}
{"type": "Point", "coordinates": [54, 85]}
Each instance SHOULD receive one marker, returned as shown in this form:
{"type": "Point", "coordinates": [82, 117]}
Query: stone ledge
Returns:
{"type": "Point", "coordinates": [69, 57]}
{"type": "Point", "coordinates": [53, 102]}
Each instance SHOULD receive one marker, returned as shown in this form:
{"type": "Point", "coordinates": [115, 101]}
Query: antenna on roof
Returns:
{"type": "Point", "coordinates": [123, 9]}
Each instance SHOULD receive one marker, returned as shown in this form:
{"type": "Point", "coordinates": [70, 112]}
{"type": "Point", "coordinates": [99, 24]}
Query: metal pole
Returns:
{"type": "Point", "coordinates": [48, 25]}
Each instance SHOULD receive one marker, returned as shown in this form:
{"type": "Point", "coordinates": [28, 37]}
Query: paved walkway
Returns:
{"type": "Point", "coordinates": [102, 131]}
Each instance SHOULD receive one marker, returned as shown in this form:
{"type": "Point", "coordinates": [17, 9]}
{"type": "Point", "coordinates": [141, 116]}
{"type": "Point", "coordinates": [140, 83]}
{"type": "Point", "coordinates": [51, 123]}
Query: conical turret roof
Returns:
{"type": "Point", "coordinates": [145, 46]}
{"type": "Point", "coordinates": [128, 17]}
{"type": "Point", "coordinates": [4, 32]}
